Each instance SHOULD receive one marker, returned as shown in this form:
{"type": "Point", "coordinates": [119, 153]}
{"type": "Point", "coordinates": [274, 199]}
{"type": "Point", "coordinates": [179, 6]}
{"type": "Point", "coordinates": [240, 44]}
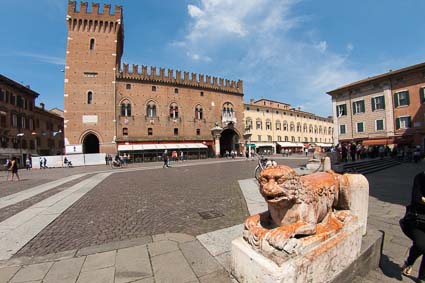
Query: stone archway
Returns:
{"type": "Point", "coordinates": [229, 140]}
{"type": "Point", "coordinates": [91, 143]}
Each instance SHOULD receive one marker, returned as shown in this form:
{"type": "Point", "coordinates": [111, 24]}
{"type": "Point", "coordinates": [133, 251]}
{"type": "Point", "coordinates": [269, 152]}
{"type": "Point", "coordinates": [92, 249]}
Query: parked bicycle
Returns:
{"type": "Point", "coordinates": [263, 162]}
{"type": "Point", "coordinates": [116, 164]}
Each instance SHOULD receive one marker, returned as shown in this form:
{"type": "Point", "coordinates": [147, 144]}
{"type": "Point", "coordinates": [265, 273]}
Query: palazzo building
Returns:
{"type": "Point", "coordinates": [274, 126]}
{"type": "Point", "coordinates": [25, 129]}
{"type": "Point", "coordinates": [385, 109]}
{"type": "Point", "coordinates": [110, 106]}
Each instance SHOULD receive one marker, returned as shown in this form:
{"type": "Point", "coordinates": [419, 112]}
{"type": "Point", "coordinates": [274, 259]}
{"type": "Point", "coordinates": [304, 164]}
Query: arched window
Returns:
{"type": "Point", "coordinates": [89, 97]}
{"type": "Point", "coordinates": [310, 128]}
{"type": "Point", "coordinates": [248, 124]}
{"type": "Point", "coordinates": [91, 43]}
{"type": "Point", "coordinates": [286, 138]}
{"type": "Point", "coordinates": [324, 131]}
{"type": "Point", "coordinates": [258, 124]}
{"type": "Point", "coordinates": [285, 125]}
{"type": "Point", "coordinates": [278, 125]}
{"type": "Point", "coordinates": [330, 130]}
{"type": "Point", "coordinates": [125, 131]}
{"type": "Point", "coordinates": [174, 111]}
{"type": "Point", "coordinates": [199, 114]}
{"type": "Point", "coordinates": [151, 109]}
{"type": "Point", "coordinates": [298, 127]}
{"type": "Point", "coordinates": [292, 127]}
{"type": "Point", "coordinates": [315, 129]}
{"type": "Point", "coordinates": [125, 108]}
{"type": "Point", "coordinates": [305, 128]}
{"type": "Point", "coordinates": [228, 114]}
{"type": "Point", "coordinates": [268, 125]}
{"type": "Point", "coordinates": [320, 129]}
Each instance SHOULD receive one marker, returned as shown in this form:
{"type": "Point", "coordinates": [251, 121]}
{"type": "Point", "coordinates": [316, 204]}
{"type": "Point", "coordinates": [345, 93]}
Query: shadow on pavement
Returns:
{"type": "Point", "coordinates": [390, 268]}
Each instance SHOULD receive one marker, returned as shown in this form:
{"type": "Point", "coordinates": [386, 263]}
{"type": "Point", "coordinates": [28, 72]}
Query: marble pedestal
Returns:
{"type": "Point", "coordinates": [319, 264]}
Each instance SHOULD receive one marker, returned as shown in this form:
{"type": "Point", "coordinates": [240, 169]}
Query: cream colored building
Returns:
{"type": "Point", "coordinates": [275, 126]}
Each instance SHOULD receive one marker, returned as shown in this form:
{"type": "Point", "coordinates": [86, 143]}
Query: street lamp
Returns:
{"type": "Point", "coordinates": [20, 135]}
{"type": "Point", "coordinates": [247, 136]}
{"type": "Point", "coordinates": [215, 131]}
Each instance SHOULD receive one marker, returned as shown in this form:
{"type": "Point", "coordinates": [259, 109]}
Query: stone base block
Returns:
{"type": "Point", "coordinates": [317, 265]}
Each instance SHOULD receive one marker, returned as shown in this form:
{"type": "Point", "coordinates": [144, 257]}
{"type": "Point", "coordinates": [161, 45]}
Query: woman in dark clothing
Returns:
{"type": "Point", "coordinates": [14, 168]}
{"type": "Point", "coordinates": [417, 230]}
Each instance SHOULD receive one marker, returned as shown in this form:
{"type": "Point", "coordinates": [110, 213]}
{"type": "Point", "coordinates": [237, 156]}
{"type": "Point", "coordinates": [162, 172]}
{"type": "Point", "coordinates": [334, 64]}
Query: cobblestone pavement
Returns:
{"type": "Point", "coordinates": [135, 204]}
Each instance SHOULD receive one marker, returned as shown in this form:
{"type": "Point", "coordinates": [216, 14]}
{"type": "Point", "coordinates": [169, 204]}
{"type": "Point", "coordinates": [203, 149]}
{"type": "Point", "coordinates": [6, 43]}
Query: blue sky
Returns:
{"type": "Point", "coordinates": [289, 50]}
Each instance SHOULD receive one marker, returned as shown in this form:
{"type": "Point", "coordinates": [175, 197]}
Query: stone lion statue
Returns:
{"type": "Point", "coordinates": [298, 206]}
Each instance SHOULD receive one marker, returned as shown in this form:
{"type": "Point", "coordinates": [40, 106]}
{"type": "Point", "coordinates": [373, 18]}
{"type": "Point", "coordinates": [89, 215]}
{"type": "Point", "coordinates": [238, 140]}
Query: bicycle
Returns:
{"type": "Point", "coordinates": [263, 162]}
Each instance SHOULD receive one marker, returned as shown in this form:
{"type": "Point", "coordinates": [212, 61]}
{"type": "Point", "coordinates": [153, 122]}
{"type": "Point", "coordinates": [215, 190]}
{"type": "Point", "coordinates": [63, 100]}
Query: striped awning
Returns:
{"type": "Point", "coordinates": [160, 146]}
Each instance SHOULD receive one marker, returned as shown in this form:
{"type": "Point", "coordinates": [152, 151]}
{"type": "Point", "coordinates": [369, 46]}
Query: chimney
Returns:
{"type": "Point", "coordinates": [251, 100]}
{"type": "Point", "coordinates": [42, 105]}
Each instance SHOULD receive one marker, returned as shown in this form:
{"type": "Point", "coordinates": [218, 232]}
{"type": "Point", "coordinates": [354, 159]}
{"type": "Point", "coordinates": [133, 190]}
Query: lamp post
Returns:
{"type": "Point", "coordinates": [247, 136]}
{"type": "Point", "coordinates": [215, 131]}
{"type": "Point", "coordinates": [20, 135]}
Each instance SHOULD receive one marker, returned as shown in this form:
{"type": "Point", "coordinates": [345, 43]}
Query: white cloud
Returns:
{"type": "Point", "coordinates": [43, 58]}
{"type": "Point", "coordinates": [265, 53]}
{"type": "Point", "coordinates": [350, 47]}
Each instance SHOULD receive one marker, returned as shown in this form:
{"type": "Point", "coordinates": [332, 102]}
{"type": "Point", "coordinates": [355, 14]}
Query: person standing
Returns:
{"type": "Point", "coordinates": [107, 159]}
{"type": "Point", "coordinates": [416, 229]}
{"type": "Point", "coordinates": [41, 162]}
{"type": "Point", "coordinates": [7, 165]}
{"type": "Point", "coordinates": [28, 163]}
{"type": "Point", "coordinates": [14, 168]}
{"type": "Point", "coordinates": [45, 162]}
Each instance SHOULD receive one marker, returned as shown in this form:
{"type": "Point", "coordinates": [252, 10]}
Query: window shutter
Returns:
{"type": "Point", "coordinates": [373, 104]}
{"type": "Point", "coordinates": [122, 110]}
{"type": "Point", "coordinates": [397, 123]}
{"type": "Point", "coordinates": [129, 109]}
{"type": "Point", "coordinates": [409, 122]}
{"type": "Point", "coordinates": [407, 98]}
{"type": "Point", "coordinates": [383, 102]}
{"type": "Point", "coordinates": [396, 100]}
{"type": "Point", "coordinates": [421, 95]}
{"type": "Point", "coordinates": [362, 106]}
{"type": "Point", "coordinates": [354, 108]}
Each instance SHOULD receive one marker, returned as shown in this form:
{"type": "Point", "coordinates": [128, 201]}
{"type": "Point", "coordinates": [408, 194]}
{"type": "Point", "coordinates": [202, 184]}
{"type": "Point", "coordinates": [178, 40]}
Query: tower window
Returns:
{"type": "Point", "coordinates": [92, 44]}
{"type": "Point", "coordinates": [198, 132]}
{"type": "Point", "coordinates": [176, 90]}
{"type": "Point", "coordinates": [128, 86]}
{"type": "Point", "coordinates": [153, 88]}
{"type": "Point", "coordinates": [125, 131]}
{"type": "Point", "coordinates": [201, 93]}
{"type": "Point", "coordinates": [89, 97]}
{"type": "Point", "coordinates": [176, 131]}
{"type": "Point", "coordinates": [150, 132]}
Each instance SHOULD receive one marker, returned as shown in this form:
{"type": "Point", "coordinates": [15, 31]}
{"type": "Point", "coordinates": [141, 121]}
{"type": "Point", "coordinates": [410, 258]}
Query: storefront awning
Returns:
{"type": "Point", "coordinates": [290, 144]}
{"type": "Point", "coordinates": [160, 146]}
{"type": "Point", "coordinates": [378, 142]}
{"type": "Point", "coordinates": [264, 144]}
{"type": "Point", "coordinates": [324, 144]}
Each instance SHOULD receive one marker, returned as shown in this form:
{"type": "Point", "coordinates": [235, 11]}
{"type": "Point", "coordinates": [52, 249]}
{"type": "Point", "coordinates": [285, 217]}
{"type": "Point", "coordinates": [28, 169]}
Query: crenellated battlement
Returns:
{"type": "Point", "coordinates": [175, 77]}
{"type": "Point", "coordinates": [94, 20]}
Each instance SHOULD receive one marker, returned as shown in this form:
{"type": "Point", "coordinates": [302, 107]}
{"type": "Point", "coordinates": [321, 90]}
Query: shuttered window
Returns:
{"type": "Point", "coordinates": [358, 107]}
{"type": "Point", "coordinates": [378, 103]}
{"type": "Point", "coordinates": [401, 98]}
{"type": "Point", "coordinates": [422, 95]}
{"type": "Point", "coordinates": [403, 122]}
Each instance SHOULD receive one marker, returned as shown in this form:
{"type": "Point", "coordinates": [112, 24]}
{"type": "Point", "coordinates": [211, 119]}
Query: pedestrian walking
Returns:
{"type": "Point", "coordinates": [107, 159]}
{"type": "Point", "coordinates": [41, 162]}
{"type": "Point", "coordinates": [45, 162]}
{"type": "Point", "coordinates": [7, 165]}
{"type": "Point", "coordinates": [166, 159]}
{"type": "Point", "coordinates": [413, 225]}
{"type": "Point", "coordinates": [14, 168]}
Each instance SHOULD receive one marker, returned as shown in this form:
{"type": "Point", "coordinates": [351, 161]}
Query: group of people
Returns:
{"type": "Point", "coordinates": [118, 160]}
{"type": "Point", "coordinates": [230, 154]}
{"type": "Point", "coordinates": [174, 157]}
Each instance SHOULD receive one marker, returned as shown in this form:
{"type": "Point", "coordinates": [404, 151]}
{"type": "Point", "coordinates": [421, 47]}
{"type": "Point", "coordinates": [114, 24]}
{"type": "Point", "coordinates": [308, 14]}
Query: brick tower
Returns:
{"type": "Point", "coordinates": [93, 56]}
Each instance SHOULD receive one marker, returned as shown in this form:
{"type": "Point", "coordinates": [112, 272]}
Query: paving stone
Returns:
{"type": "Point", "coordinates": [32, 272]}
{"type": "Point", "coordinates": [105, 275]}
{"type": "Point", "coordinates": [7, 272]}
{"type": "Point", "coordinates": [218, 242]}
{"type": "Point", "coordinates": [221, 276]}
{"type": "Point", "coordinates": [201, 261]}
{"type": "Point", "coordinates": [225, 260]}
{"type": "Point", "coordinates": [172, 267]}
{"type": "Point", "coordinates": [162, 247]}
{"type": "Point", "coordinates": [114, 246]}
{"type": "Point", "coordinates": [98, 261]}
{"type": "Point", "coordinates": [65, 271]}
{"type": "Point", "coordinates": [145, 280]}
{"type": "Point", "coordinates": [177, 237]}
{"type": "Point", "coordinates": [132, 264]}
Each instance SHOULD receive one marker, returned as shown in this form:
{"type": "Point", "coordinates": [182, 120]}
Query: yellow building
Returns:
{"type": "Point", "coordinates": [273, 126]}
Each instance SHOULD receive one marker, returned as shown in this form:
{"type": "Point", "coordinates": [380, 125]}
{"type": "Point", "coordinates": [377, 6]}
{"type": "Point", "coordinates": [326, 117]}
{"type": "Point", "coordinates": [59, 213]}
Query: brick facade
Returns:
{"type": "Point", "coordinates": [26, 129]}
{"type": "Point", "coordinates": [382, 90]}
{"type": "Point", "coordinates": [111, 101]}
